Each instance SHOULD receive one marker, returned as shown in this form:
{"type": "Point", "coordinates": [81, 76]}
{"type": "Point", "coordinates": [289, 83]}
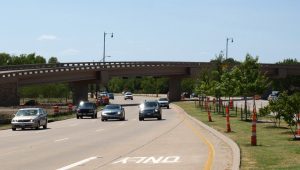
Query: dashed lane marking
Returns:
{"type": "Point", "coordinates": [59, 140]}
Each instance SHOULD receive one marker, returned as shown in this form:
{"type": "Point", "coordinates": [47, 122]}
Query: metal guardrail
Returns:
{"type": "Point", "coordinates": [23, 70]}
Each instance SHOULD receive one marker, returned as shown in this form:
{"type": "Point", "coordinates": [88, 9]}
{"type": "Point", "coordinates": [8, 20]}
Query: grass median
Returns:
{"type": "Point", "coordinates": [275, 148]}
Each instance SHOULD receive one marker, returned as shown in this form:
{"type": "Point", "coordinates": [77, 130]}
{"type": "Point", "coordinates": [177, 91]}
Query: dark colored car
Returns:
{"type": "Point", "coordinates": [111, 96]}
{"type": "Point", "coordinates": [113, 111]}
{"type": "Point", "coordinates": [31, 103]}
{"type": "Point", "coordinates": [86, 109]}
{"type": "Point", "coordinates": [30, 118]}
{"type": "Point", "coordinates": [149, 109]}
{"type": "Point", "coordinates": [163, 102]}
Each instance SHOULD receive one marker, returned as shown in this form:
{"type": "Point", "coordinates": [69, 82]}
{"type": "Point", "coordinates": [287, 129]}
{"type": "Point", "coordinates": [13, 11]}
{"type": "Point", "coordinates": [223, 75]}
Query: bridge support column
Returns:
{"type": "Point", "coordinates": [80, 91]}
{"type": "Point", "coordinates": [174, 89]}
{"type": "Point", "coordinates": [9, 94]}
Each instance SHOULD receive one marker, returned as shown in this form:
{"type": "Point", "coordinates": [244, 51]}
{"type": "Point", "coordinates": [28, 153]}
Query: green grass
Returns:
{"type": "Point", "coordinates": [275, 148]}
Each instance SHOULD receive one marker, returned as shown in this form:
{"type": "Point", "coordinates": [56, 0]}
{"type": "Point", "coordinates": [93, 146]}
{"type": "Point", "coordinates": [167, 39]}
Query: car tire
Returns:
{"type": "Point", "coordinates": [45, 126]}
{"type": "Point", "coordinates": [13, 129]}
{"type": "Point", "coordinates": [102, 120]}
{"type": "Point", "coordinates": [159, 118]}
{"type": "Point", "coordinates": [168, 107]}
{"type": "Point", "coordinates": [141, 119]}
{"type": "Point", "coordinates": [38, 126]}
{"type": "Point", "coordinates": [77, 117]}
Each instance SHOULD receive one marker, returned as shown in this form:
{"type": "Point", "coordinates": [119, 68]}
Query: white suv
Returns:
{"type": "Point", "coordinates": [128, 95]}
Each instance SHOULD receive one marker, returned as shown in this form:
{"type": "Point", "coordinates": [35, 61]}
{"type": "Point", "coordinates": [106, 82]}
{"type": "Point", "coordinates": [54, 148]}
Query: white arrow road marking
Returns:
{"type": "Point", "coordinates": [77, 163]}
{"type": "Point", "coordinates": [59, 140]}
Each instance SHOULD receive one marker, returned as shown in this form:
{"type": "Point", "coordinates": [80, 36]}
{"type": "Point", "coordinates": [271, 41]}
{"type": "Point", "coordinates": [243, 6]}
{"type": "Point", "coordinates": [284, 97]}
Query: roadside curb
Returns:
{"type": "Point", "coordinates": [234, 147]}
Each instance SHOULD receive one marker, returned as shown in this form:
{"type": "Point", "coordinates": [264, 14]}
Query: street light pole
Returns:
{"type": "Point", "coordinates": [227, 39]}
{"type": "Point", "coordinates": [112, 35]}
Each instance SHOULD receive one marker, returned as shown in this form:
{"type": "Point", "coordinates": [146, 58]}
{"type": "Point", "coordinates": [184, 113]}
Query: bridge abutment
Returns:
{"type": "Point", "coordinates": [80, 91]}
{"type": "Point", "coordinates": [174, 88]}
{"type": "Point", "coordinates": [9, 94]}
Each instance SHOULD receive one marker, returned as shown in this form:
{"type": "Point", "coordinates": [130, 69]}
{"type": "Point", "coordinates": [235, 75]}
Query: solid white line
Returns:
{"type": "Point", "coordinates": [59, 140]}
{"type": "Point", "coordinates": [77, 163]}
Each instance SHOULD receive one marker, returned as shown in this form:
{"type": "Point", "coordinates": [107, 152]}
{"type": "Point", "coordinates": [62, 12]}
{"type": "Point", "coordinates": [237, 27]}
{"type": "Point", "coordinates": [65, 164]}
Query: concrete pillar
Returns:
{"type": "Point", "coordinates": [174, 89]}
{"type": "Point", "coordinates": [9, 94]}
{"type": "Point", "coordinates": [80, 91]}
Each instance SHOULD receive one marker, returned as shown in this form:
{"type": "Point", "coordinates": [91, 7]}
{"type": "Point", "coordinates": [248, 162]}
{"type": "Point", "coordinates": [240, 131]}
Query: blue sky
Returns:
{"type": "Point", "coordinates": [151, 30]}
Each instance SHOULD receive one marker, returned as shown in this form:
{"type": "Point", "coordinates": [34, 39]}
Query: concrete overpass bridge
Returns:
{"type": "Point", "coordinates": [79, 75]}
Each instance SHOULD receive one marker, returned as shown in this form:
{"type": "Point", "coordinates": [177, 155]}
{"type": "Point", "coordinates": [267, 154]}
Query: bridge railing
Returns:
{"type": "Point", "coordinates": [22, 70]}
{"type": "Point", "coordinates": [122, 63]}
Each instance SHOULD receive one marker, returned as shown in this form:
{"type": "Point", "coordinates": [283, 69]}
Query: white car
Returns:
{"type": "Point", "coordinates": [128, 95]}
{"type": "Point", "coordinates": [163, 102]}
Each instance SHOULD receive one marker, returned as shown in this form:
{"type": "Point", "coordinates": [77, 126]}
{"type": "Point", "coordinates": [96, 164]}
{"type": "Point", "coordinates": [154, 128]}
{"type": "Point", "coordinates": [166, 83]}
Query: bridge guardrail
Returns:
{"type": "Point", "coordinates": [60, 67]}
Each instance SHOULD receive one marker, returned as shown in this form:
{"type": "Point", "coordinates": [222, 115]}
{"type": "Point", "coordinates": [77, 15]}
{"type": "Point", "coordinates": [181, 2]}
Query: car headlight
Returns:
{"type": "Point", "coordinates": [32, 120]}
{"type": "Point", "coordinates": [119, 113]}
{"type": "Point", "coordinates": [103, 113]}
{"type": "Point", "coordinates": [13, 120]}
{"type": "Point", "coordinates": [156, 110]}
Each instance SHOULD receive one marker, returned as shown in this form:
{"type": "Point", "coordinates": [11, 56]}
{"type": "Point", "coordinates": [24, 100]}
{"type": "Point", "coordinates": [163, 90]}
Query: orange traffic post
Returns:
{"type": "Point", "coordinates": [227, 119]}
{"type": "Point", "coordinates": [298, 126]}
{"type": "Point", "coordinates": [55, 110]}
{"type": "Point", "coordinates": [253, 137]}
{"type": "Point", "coordinates": [231, 104]}
{"type": "Point", "coordinates": [70, 107]}
{"type": "Point", "coordinates": [209, 115]}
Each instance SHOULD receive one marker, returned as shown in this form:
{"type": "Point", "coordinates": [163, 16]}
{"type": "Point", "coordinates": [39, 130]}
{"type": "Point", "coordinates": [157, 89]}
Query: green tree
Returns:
{"type": "Point", "coordinates": [285, 107]}
{"type": "Point", "coordinates": [5, 59]}
{"type": "Point", "coordinates": [116, 84]}
{"type": "Point", "coordinates": [53, 60]}
{"type": "Point", "coordinates": [188, 85]}
{"type": "Point", "coordinates": [249, 80]}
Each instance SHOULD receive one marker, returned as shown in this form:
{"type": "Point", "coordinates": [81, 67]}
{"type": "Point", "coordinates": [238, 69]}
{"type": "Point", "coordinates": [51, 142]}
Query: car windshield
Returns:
{"type": "Point", "coordinates": [86, 105]}
{"type": "Point", "coordinates": [27, 113]}
{"type": "Point", "coordinates": [112, 107]}
{"type": "Point", "coordinates": [150, 104]}
{"type": "Point", "coordinates": [163, 99]}
{"type": "Point", "coordinates": [127, 93]}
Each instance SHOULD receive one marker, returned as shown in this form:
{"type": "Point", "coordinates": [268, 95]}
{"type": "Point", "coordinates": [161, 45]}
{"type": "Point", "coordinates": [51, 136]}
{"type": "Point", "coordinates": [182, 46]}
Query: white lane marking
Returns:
{"type": "Point", "coordinates": [59, 140]}
{"type": "Point", "coordinates": [99, 130]}
{"type": "Point", "coordinates": [77, 163]}
{"type": "Point", "coordinates": [121, 123]}
{"type": "Point", "coordinates": [149, 160]}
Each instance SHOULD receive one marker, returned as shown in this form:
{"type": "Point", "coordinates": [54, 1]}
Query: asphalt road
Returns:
{"type": "Point", "coordinates": [176, 142]}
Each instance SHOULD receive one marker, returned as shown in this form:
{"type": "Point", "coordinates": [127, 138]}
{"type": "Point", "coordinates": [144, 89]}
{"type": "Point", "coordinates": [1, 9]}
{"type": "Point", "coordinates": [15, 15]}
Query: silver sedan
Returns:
{"type": "Point", "coordinates": [113, 111]}
{"type": "Point", "coordinates": [29, 118]}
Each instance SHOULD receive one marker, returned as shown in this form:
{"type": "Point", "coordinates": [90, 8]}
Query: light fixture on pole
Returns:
{"type": "Point", "coordinates": [227, 39]}
{"type": "Point", "coordinates": [112, 35]}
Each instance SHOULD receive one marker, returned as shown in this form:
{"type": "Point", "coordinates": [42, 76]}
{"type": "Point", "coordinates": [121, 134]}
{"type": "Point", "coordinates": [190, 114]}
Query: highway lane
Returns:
{"type": "Point", "coordinates": [175, 142]}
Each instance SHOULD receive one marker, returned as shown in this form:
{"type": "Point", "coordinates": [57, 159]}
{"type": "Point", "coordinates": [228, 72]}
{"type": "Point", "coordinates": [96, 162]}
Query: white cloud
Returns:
{"type": "Point", "coordinates": [47, 37]}
{"type": "Point", "coordinates": [70, 52]}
